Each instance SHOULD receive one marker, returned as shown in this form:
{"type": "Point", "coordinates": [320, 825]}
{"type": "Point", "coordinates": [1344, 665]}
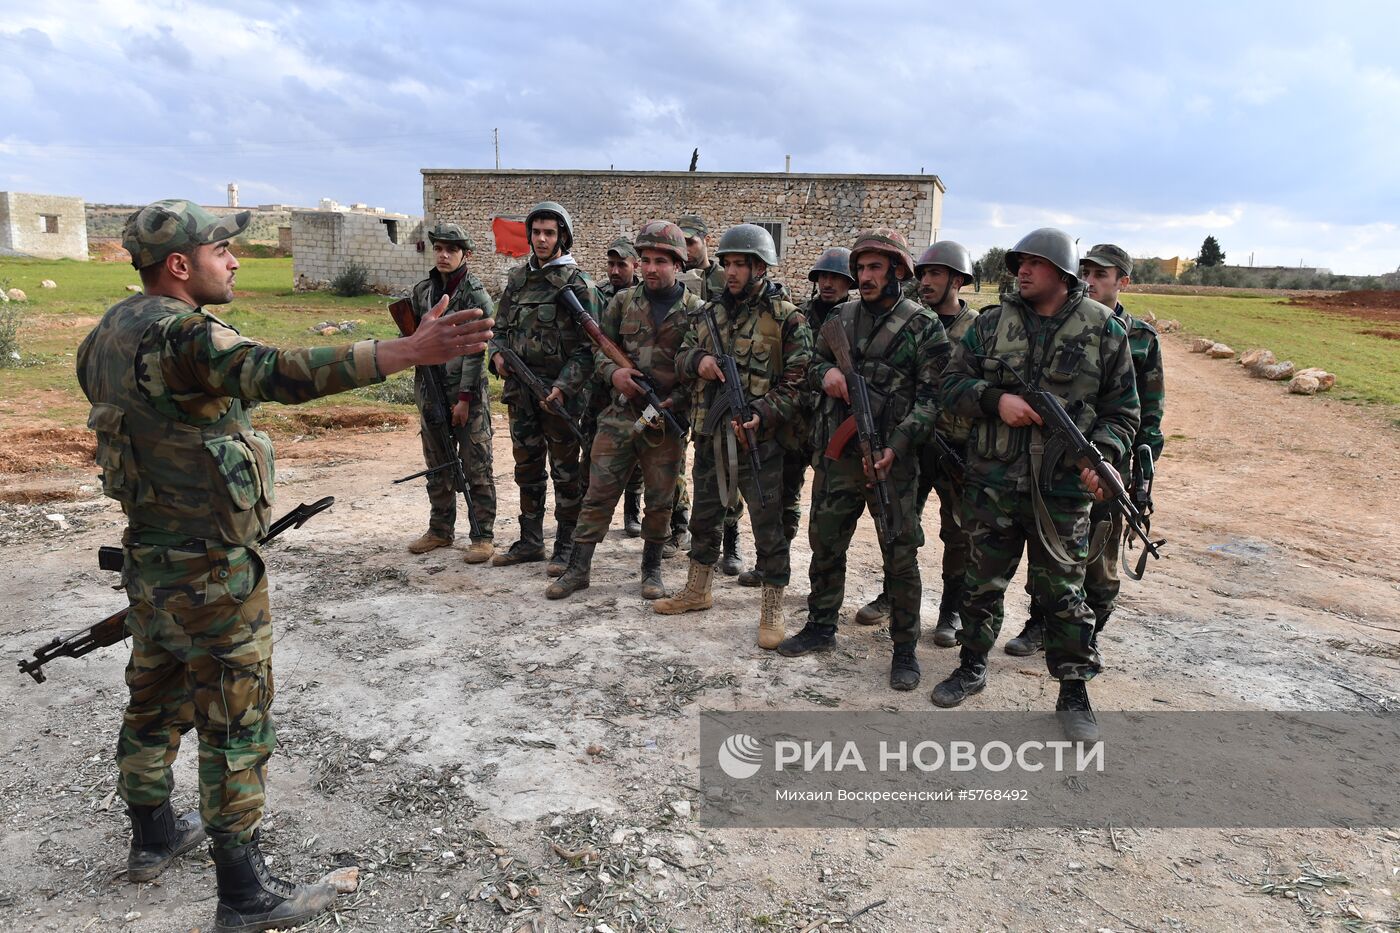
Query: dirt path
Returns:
{"type": "Point", "coordinates": [458, 737]}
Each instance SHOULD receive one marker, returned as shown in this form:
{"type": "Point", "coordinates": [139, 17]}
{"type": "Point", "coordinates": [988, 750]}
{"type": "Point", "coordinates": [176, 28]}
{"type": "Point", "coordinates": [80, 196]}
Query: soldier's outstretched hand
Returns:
{"type": "Point", "coordinates": [439, 338]}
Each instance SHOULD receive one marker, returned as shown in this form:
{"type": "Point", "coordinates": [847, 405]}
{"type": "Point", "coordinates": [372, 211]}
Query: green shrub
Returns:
{"type": "Point", "coordinates": [9, 331]}
{"type": "Point", "coordinates": [352, 282]}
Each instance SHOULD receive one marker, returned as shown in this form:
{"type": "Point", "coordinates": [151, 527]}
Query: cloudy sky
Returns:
{"type": "Point", "coordinates": [1273, 125]}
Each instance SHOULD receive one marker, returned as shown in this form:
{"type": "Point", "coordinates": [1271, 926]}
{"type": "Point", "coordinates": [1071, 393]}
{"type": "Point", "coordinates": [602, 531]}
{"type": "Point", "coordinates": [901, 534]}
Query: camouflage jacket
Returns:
{"type": "Point", "coordinates": [770, 343]}
{"type": "Point", "coordinates": [706, 283]}
{"type": "Point", "coordinates": [1151, 381]}
{"type": "Point", "coordinates": [466, 373]}
{"type": "Point", "coordinates": [901, 352]}
{"type": "Point", "coordinates": [817, 311]}
{"type": "Point", "coordinates": [535, 323]}
{"type": "Point", "coordinates": [606, 291]}
{"type": "Point", "coordinates": [956, 430]}
{"type": "Point", "coordinates": [169, 386]}
{"type": "Point", "coordinates": [1080, 355]}
{"type": "Point", "coordinates": [627, 320]}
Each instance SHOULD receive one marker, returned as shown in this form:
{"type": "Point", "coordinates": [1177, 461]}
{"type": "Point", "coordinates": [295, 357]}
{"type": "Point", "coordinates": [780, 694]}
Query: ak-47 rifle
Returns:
{"type": "Point", "coordinates": [438, 417]}
{"type": "Point", "coordinates": [730, 406]}
{"type": "Point", "coordinates": [655, 407]}
{"type": "Point", "coordinates": [1144, 473]}
{"type": "Point", "coordinates": [889, 521]}
{"type": "Point", "coordinates": [113, 628]}
{"type": "Point", "coordinates": [522, 374]}
{"type": "Point", "coordinates": [1064, 439]}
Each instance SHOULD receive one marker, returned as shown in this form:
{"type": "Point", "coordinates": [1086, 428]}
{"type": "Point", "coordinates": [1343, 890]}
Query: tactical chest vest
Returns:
{"type": "Point", "coordinates": [954, 429]}
{"type": "Point", "coordinates": [539, 330]}
{"type": "Point", "coordinates": [653, 349]}
{"type": "Point", "coordinates": [872, 340]}
{"type": "Point", "coordinates": [756, 343]}
{"type": "Point", "coordinates": [212, 481]}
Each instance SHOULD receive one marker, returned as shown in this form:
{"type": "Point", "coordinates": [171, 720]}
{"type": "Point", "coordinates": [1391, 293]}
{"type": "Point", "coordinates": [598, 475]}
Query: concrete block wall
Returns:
{"type": "Point", "coordinates": [325, 242]}
{"type": "Point", "coordinates": [24, 228]}
{"type": "Point", "coordinates": [816, 210]}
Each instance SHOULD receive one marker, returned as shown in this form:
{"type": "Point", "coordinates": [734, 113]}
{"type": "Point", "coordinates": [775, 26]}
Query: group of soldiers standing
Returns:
{"type": "Point", "coordinates": [943, 378]}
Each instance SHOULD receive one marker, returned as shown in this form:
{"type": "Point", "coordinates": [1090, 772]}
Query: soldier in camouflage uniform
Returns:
{"type": "Point", "coordinates": [831, 282]}
{"type": "Point", "coordinates": [469, 394]}
{"type": "Point", "coordinates": [705, 277]}
{"type": "Point", "coordinates": [171, 387]}
{"type": "Point", "coordinates": [649, 323]}
{"type": "Point", "coordinates": [901, 349]}
{"type": "Point", "coordinates": [1053, 336]}
{"type": "Point", "coordinates": [942, 270]}
{"type": "Point", "coordinates": [622, 275]}
{"type": "Point", "coordinates": [535, 323]}
{"type": "Point", "coordinates": [771, 345]}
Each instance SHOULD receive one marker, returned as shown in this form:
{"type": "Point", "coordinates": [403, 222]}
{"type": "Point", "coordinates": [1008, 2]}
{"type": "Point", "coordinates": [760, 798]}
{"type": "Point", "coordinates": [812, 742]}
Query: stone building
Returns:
{"type": "Point", "coordinates": [328, 239]}
{"type": "Point", "coordinates": [45, 226]}
{"type": "Point", "coordinates": [805, 212]}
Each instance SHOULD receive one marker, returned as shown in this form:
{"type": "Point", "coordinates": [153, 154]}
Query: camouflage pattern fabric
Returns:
{"type": "Point", "coordinates": [933, 476]}
{"type": "Point", "coordinates": [175, 226]}
{"type": "Point", "coordinates": [706, 282]}
{"type": "Point", "coordinates": [606, 291]}
{"type": "Point", "coordinates": [708, 517]}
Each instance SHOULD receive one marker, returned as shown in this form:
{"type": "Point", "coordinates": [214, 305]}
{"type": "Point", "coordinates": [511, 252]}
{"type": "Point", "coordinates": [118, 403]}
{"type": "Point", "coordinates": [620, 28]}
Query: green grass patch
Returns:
{"type": "Point", "coordinates": [1367, 366]}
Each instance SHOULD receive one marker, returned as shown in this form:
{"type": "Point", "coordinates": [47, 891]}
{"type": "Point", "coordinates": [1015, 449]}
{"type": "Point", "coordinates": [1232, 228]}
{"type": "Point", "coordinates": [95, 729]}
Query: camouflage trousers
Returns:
{"type": "Point", "coordinates": [201, 656]}
{"type": "Point", "coordinates": [474, 447]}
{"type": "Point", "coordinates": [795, 464]}
{"type": "Point", "coordinates": [619, 454]}
{"type": "Point", "coordinates": [839, 497]}
{"type": "Point", "coordinates": [934, 477]}
{"type": "Point", "coordinates": [1000, 524]}
{"type": "Point", "coordinates": [634, 484]}
{"type": "Point", "coordinates": [709, 516]}
{"type": "Point", "coordinates": [537, 439]}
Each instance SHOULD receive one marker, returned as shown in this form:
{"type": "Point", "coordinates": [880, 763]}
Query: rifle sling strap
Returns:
{"type": "Point", "coordinates": [1044, 524]}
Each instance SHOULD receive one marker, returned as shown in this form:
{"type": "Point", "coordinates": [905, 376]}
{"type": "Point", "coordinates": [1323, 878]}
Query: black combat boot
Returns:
{"type": "Point", "coordinates": [813, 637]}
{"type": "Point", "coordinates": [563, 547]}
{"type": "Point", "coordinates": [529, 549]}
{"type": "Point", "coordinates": [575, 578]}
{"type": "Point", "coordinates": [158, 838]}
{"type": "Point", "coordinates": [731, 562]}
{"type": "Point", "coordinates": [652, 587]}
{"type": "Point", "coordinates": [632, 512]}
{"type": "Point", "coordinates": [1074, 712]}
{"type": "Point", "coordinates": [1032, 637]}
{"type": "Point", "coordinates": [969, 678]}
{"type": "Point", "coordinates": [750, 577]}
{"type": "Point", "coordinates": [945, 633]}
{"type": "Point", "coordinates": [680, 533]}
{"type": "Point", "coordinates": [251, 898]}
{"type": "Point", "coordinates": [904, 667]}
{"type": "Point", "coordinates": [875, 612]}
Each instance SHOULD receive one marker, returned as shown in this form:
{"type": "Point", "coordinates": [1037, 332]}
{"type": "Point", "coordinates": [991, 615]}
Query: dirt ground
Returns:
{"type": "Point", "coordinates": [494, 761]}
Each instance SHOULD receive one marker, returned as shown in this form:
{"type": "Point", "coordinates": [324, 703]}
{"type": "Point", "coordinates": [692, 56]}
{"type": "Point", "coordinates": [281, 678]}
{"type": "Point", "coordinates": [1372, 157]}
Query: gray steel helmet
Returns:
{"type": "Point", "coordinates": [834, 259]}
{"type": "Point", "coordinates": [555, 210]}
{"type": "Point", "coordinates": [946, 253]}
{"type": "Point", "coordinates": [1054, 246]}
{"type": "Point", "coordinates": [751, 239]}
{"type": "Point", "coordinates": [450, 233]}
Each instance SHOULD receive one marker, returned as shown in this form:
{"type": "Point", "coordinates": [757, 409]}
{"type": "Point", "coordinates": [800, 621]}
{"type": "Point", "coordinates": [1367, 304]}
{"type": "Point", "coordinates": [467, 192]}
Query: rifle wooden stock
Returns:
{"type": "Point", "coordinates": [404, 318]}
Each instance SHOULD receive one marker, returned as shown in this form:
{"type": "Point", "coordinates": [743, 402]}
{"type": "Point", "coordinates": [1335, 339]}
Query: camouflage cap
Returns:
{"type": "Point", "coordinates": [451, 233]}
{"type": "Point", "coordinates": [623, 247]}
{"type": "Point", "coordinates": [693, 225]}
{"type": "Point", "coordinates": [176, 226]}
{"type": "Point", "coordinates": [1108, 255]}
{"type": "Point", "coordinates": [662, 235]}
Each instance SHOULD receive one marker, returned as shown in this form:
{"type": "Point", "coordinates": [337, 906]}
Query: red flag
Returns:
{"type": "Point", "coordinates": [509, 233]}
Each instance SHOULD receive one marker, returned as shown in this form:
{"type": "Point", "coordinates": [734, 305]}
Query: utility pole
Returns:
{"type": "Point", "coordinates": [496, 141]}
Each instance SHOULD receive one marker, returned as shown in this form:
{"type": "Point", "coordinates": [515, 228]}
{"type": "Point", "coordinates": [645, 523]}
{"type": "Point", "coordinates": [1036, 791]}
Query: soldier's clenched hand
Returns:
{"type": "Point", "coordinates": [461, 412]}
{"type": "Point", "coordinates": [1016, 411]}
{"type": "Point", "coordinates": [834, 384]}
{"type": "Point", "coordinates": [1095, 484]}
{"type": "Point", "coordinates": [622, 382]}
{"type": "Point", "coordinates": [709, 369]}
{"type": "Point", "coordinates": [882, 465]}
{"type": "Point", "coordinates": [555, 397]}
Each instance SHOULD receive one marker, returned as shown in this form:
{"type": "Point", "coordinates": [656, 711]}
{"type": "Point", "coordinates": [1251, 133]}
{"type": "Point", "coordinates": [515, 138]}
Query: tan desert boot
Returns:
{"type": "Point", "coordinates": [480, 552]}
{"type": "Point", "coordinates": [771, 630]}
{"type": "Point", "coordinates": [428, 542]}
{"type": "Point", "coordinates": [695, 596]}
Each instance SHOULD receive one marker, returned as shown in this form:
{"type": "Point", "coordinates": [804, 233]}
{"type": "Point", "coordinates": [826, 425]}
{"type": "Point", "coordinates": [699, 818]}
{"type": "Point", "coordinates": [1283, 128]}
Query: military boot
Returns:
{"type": "Point", "coordinates": [480, 551]}
{"type": "Point", "coordinates": [813, 637]}
{"type": "Point", "coordinates": [652, 587]}
{"type": "Point", "coordinates": [1032, 637]}
{"type": "Point", "coordinates": [1074, 712]}
{"type": "Point", "coordinates": [751, 577]}
{"type": "Point", "coordinates": [904, 666]}
{"type": "Point", "coordinates": [731, 561]}
{"type": "Point", "coordinates": [563, 547]}
{"type": "Point", "coordinates": [632, 512]}
{"type": "Point", "coordinates": [696, 594]}
{"type": "Point", "coordinates": [945, 633]}
{"type": "Point", "coordinates": [771, 630]}
{"type": "Point", "coordinates": [529, 549]}
{"type": "Point", "coordinates": [574, 578]}
{"type": "Point", "coordinates": [158, 838]}
{"type": "Point", "coordinates": [680, 533]}
{"type": "Point", "coordinates": [875, 612]}
{"type": "Point", "coordinates": [251, 898]}
{"type": "Point", "coordinates": [428, 541]}
{"type": "Point", "coordinates": [969, 678]}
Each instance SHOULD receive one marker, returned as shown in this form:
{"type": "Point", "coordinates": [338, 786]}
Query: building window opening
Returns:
{"type": "Point", "coordinates": [391, 228]}
{"type": "Point", "coordinates": [775, 228]}
{"type": "Point", "coordinates": [48, 223]}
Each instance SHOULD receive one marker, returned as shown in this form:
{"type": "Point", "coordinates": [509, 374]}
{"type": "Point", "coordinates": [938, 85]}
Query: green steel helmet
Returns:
{"type": "Point", "coordinates": [885, 240]}
{"type": "Point", "coordinates": [552, 210]}
{"type": "Point", "coordinates": [834, 259]}
{"type": "Point", "coordinates": [693, 225]}
{"type": "Point", "coordinates": [662, 235]}
{"type": "Point", "coordinates": [1110, 257]}
{"type": "Point", "coordinates": [946, 253]}
{"type": "Point", "coordinates": [623, 247]}
{"type": "Point", "coordinates": [751, 239]}
{"type": "Point", "coordinates": [1054, 246]}
{"type": "Point", "coordinates": [450, 233]}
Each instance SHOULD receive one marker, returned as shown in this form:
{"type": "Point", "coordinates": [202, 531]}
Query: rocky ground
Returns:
{"type": "Point", "coordinates": [494, 761]}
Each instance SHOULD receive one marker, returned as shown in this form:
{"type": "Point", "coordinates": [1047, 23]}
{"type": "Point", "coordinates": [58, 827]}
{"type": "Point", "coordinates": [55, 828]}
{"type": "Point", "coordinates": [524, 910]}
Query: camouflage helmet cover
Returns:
{"type": "Point", "coordinates": [1054, 246]}
{"type": "Point", "coordinates": [623, 248]}
{"type": "Point", "coordinates": [750, 239]}
{"type": "Point", "coordinates": [834, 259]}
{"type": "Point", "coordinates": [553, 210]}
{"type": "Point", "coordinates": [662, 235]}
{"type": "Point", "coordinates": [885, 240]}
{"type": "Point", "coordinates": [946, 253]}
{"type": "Point", "coordinates": [451, 233]}
{"type": "Point", "coordinates": [176, 226]}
